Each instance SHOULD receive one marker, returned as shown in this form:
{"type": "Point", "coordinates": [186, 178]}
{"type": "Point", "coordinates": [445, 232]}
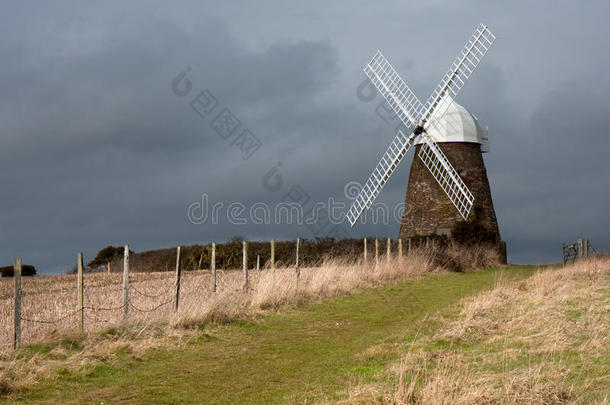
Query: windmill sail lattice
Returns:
{"type": "Point", "coordinates": [413, 114]}
{"type": "Point", "coordinates": [443, 172]}
{"type": "Point", "coordinates": [403, 101]}
{"type": "Point", "coordinates": [398, 148]}
{"type": "Point", "coordinates": [459, 72]}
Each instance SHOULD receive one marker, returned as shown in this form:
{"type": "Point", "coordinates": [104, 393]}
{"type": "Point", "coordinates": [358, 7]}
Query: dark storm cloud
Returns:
{"type": "Point", "coordinates": [96, 149]}
{"type": "Point", "coordinates": [564, 165]}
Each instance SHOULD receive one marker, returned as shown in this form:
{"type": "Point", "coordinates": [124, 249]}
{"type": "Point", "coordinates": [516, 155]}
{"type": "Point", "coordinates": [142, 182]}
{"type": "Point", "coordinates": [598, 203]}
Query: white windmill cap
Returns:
{"type": "Point", "coordinates": [459, 125]}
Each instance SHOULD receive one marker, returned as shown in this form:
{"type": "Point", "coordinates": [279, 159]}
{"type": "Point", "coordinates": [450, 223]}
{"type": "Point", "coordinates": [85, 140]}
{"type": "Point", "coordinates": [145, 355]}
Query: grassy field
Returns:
{"type": "Point", "coordinates": [500, 335]}
{"type": "Point", "coordinates": [318, 352]}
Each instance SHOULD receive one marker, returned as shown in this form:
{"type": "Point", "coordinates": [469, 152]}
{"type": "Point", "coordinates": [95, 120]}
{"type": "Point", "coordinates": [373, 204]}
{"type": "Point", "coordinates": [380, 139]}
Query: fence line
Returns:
{"type": "Point", "coordinates": [365, 251]}
{"type": "Point", "coordinates": [376, 251]}
{"type": "Point", "coordinates": [574, 251]}
{"type": "Point", "coordinates": [80, 291]}
{"type": "Point", "coordinates": [244, 245]}
{"type": "Point", "coordinates": [126, 282]}
{"type": "Point", "coordinates": [296, 259]}
{"type": "Point", "coordinates": [54, 321]}
{"type": "Point", "coordinates": [133, 294]}
{"type": "Point", "coordinates": [388, 249]}
{"type": "Point", "coordinates": [17, 317]}
{"type": "Point", "coordinates": [272, 254]}
{"type": "Point", "coordinates": [134, 289]}
{"type": "Point", "coordinates": [213, 265]}
{"type": "Point", "coordinates": [177, 280]}
{"type": "Point", "coordinates": [154, 308]}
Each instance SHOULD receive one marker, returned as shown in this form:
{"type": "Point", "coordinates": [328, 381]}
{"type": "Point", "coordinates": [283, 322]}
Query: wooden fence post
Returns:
{"type": "Point", "coordinates": [563, 252]}
{"type": "Point", "coordinates": [177, 279]}
{"type": "Point", "coordinates": [586, 247]}
{"type": "Point", "coordinates": [126, 282]}
{"type": "Point", "coordinates": [400, 248]}
{"type": "Point", "coordinates": [17, 312]}
{"type": "Point", "coordinates": [298, 270]}
{"type": "Point", "coordinates": [213, 266]}
{"type": "Point", "coordinates": [580, 249]}
{"type": "Point", "coordinates": [245, 261]}
{"type": "Point", "coordinates": [365, 253]}
{"type": "Point", "coordinates": [272, 254]}
{"type": "Point", "coordinates": [109, 271]}
{"type": "Point", "coordinates": [80, 290]}
{"type": "Point", "coordinates": [389, 249]}
{"type": "Point", "coordinates": [258, 262]}
{"type": "Point", "coordinates": [376, 251]}
{"type": "Point", "coordinates": [408, 245]}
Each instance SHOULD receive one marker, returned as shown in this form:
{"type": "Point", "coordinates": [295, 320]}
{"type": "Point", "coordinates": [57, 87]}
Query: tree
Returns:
{"type": "Point", "coordinates": [107, 254]}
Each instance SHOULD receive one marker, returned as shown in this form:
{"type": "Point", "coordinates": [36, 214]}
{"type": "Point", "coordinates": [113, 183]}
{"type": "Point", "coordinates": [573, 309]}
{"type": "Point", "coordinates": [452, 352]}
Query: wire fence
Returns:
{"type": "Point", "coordinates": [47, 304]}
{"type": "Point", "coordinates": [31, 307]}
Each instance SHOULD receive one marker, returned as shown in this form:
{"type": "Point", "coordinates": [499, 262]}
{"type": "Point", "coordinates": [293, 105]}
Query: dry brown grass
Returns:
{"type": "Point", "coordinates": [552, 310]}
{"type": "Point", "coordinates": [152, 321]}
{"type": "Point", "coordinates": [273, 290]}
{"type": "Point", "coordinates": [453, 378]}
{"type": "Point", "coordinates": [543, 340]}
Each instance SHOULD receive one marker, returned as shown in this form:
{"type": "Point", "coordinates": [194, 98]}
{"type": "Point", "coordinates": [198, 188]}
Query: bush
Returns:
{"type": "Point", "coordinates": [26, 270]}
{"type": "Point", "coordinates": [229, 254]}
{"type": "Point", "coordinates": [471, 233]}
{"type": "Point", "coordinates": [107, 254]}
{"type": "Point", "coordinates": [312, 252]}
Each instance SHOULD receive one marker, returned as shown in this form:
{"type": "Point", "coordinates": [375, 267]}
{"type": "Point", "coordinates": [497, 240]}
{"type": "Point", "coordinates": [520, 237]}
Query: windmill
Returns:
{"type": "Point", "coordinates": [427, 124]}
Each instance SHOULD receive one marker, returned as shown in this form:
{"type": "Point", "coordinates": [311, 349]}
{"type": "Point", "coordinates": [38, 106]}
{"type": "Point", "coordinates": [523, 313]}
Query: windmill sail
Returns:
{"type": "Point", "coordinates": [409, 109]}
{"type": "Point", "coordinates": [461, 69]}
{"type": "Point", "coordinates": [396, 92]}
{"type": "Point", "coordinates": [384, 169]}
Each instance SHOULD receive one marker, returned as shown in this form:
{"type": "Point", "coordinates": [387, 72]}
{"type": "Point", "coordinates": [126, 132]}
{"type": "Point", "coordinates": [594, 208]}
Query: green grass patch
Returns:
{"type": "Point", "coordinates": [56, 346]}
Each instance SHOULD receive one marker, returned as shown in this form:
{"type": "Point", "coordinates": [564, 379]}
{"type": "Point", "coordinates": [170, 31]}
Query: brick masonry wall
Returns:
{"type": "Point", "coordinates": [427, 207]}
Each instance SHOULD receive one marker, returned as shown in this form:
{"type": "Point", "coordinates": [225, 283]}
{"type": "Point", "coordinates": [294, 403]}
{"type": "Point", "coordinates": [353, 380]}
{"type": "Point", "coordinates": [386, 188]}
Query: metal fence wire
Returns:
{"type": "Point", "coordinates": [36, 306]}
{"type": "Point", "coordinates": [150, 296]}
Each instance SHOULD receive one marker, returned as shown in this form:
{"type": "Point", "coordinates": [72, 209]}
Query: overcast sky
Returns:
{"type": "Point", "coordinates": [100, 145]}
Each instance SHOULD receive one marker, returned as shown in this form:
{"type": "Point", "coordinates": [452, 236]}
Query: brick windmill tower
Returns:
{"type": "Point", "coordinates": [449, 178]}
{"type": "Point", "coordinates": [428, 211]}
